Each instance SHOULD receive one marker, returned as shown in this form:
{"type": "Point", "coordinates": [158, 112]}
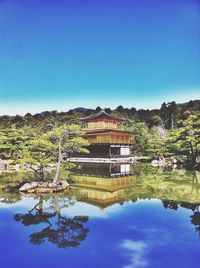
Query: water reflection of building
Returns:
{"type": "Point", "coordinates": [107, 170]}
{"type": "Point", "coordinates": [102, 184]}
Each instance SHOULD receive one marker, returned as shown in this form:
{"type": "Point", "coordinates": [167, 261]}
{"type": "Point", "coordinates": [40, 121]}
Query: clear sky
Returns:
{"type": "Point", "coordinates": [61, 54]}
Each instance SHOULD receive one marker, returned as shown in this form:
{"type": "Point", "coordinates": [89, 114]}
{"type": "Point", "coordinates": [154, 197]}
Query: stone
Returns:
{"type": "Point", "coordinates": [52, 185]}
{"type": "Point", "coordinates": [44, 187]}
{"type": "Point", "coordinates": [65, 184]}
{"type": "Point", "coordinates": [28, 186]}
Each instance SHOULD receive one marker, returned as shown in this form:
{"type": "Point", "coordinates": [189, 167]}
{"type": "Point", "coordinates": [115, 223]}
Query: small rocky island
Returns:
{"type": "Point", "coordinates": [44, 187]}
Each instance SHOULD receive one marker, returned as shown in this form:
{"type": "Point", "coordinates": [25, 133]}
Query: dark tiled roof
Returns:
{"type": "Point", "coordinates": [102, 115]}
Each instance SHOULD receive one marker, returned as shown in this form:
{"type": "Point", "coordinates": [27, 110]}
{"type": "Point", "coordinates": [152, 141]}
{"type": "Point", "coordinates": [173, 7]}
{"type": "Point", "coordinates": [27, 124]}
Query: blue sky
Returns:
{"type": "Point", "coordinates": [58, 54]}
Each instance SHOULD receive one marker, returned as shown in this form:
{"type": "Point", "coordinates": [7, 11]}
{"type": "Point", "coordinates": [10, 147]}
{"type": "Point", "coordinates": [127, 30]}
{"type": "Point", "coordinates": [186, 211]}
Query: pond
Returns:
{"type": "Point", "coordinates": [126, 216]}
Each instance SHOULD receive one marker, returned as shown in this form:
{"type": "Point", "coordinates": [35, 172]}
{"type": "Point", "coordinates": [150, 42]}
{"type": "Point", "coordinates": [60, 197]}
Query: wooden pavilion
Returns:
{"type": "Point", "coordinates": [106, 138]}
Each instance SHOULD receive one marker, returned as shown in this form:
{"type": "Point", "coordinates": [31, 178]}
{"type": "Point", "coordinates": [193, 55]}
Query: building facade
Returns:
{"type": "Point", "coordinates": [106, 138]}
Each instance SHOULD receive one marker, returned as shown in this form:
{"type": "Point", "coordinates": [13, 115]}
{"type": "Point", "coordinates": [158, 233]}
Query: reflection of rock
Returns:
{"type": "Point", "coordinates": [44, 187]}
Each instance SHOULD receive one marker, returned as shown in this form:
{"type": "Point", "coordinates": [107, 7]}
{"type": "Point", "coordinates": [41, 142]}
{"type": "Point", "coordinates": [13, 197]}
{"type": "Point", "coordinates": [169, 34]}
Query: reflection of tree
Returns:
{"type": "Point", "coordinates": [195, 184]}
{"type": "Point", "coordinates": [35, 216]}
{"type": "Point", "coordinates": [9, 198]}
{"type": "Point", "coordinates": [69, 233]}
{"type": "Point", "coordinates": [59, 230]}
{"type": "Point", "coordinates": [170, 204]}
{"type": "Point", "coordinates": [195, 218]}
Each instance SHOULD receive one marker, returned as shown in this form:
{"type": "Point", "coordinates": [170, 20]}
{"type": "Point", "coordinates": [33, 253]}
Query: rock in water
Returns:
{"type": "Point", "coordinates": [28, 186]}
{"type": "Point", "coordinates": [65, 184]}
{"type": "Point", "coordinates": [44, 187]}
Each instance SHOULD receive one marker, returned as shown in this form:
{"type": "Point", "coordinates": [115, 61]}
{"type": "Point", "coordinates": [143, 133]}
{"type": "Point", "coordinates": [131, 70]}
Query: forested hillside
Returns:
{"type": "Point", "coordinates": [171, 131]}
{"type": "Point", "coordinates": [168, 115]}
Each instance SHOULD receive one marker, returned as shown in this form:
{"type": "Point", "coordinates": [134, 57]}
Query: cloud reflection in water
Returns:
{"type": "Point", "coordinates": [136, 252]}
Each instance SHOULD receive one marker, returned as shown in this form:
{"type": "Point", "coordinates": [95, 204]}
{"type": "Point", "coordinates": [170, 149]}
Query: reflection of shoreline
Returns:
{"type": "Point", "coordinates": [145, 183]}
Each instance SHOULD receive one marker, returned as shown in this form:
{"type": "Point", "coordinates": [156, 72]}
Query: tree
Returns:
{"type": "Point", "coordinates": [120, 109]}
{"type": "Point", "coordinates": [172, 113]}
{"type": "Point", "coordinates": [186, 139]}
{"type": "Point", "coordinates": [38, 153]}
{"type": "Point", "coordinates": [108, 110]}
{"type": "Point", "coordinates": [67, 140]}
{"type": "Point", "coordinates": [156, 142]}
{"type": "Point", "coordinates": [140, 132]}
{"type": "Point", "coordinates": [52, 147]}
{"type": "Point", "coordinates": [163, 112]}
{"type": "Point", "coordinates": [148, 141]}
{"type": "Point", "coordinates": [12, 140]}
{"type": "Point", "coordinates": [156, 120]}
{"type": "Point", "coordinates": [98, 109]}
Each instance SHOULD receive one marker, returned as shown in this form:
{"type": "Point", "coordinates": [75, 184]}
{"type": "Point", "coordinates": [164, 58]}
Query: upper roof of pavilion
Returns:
{"type": "Point", "coordinates": [102, 115]}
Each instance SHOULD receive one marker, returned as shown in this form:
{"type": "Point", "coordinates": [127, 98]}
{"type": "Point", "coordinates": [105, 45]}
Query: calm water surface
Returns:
{"type": "Point", "coordinates": [131, 217]}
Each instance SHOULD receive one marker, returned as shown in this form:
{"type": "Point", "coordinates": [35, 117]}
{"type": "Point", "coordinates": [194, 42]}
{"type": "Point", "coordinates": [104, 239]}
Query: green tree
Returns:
{"type": "Point", "coordinates": [141, 136]}
{"type": "Point", "coordinates": [186, 139]}
{"type": "Point", "coordinates": [67, 140]}
{"type": "Point", "coordinates": [45, 149]}
{"type": "Point", "coordinates": [156, 142]}
{"type": "Point", "coordinates": [156, 120]}
{"type": "Point", "coordinates": [12, 140]}
{"type": "Point", "coordinates": [164, 113]}
{"type": "Point", "coordinates": [148, 141]}
{"type": "Point", "coordinates": [172, 110]}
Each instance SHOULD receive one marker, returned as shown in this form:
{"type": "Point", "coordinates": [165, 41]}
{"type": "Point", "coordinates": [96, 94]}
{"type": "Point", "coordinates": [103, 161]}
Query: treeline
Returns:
{"type": "Point", "coordinates": [171, 131]}
{"type": "Point", "coordinates": [169, 115]}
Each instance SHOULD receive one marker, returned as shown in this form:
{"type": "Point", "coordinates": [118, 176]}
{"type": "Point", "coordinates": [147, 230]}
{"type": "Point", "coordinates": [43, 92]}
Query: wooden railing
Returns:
{"type": "Point", "coordinates": [109, 139]}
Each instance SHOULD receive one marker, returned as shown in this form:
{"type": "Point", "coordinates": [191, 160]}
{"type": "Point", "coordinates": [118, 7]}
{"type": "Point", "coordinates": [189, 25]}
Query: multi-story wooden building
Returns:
{"type": "Point", "coordinates": [106, 138]}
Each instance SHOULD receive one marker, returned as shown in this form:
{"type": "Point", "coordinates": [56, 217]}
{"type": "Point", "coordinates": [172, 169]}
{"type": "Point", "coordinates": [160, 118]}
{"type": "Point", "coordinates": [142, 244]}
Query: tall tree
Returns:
{"type": "Point", "coordinates": [186, 139]}
{"type": "Point", "coordinates": [45, 149]}
{"type": "Point", "coordinates": [156, 142]}
{"type": "Point", "coordinates": [163, 112]}
{"type": "Point", "coordinates": [12, 141]}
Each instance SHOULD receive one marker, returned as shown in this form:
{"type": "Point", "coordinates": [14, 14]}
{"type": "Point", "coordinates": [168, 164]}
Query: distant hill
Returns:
{"type": "Point", "coordinates": [80, 110]}
{"type": "Point", "coordinates": [194, 103]}
{"type": "Point", "coordinates": [191, 104]}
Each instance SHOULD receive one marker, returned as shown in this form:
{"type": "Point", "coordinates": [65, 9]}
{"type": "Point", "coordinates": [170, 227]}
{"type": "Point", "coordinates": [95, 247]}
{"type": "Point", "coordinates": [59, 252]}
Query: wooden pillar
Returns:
{"type": "Point", "coordinates": [109, 151]}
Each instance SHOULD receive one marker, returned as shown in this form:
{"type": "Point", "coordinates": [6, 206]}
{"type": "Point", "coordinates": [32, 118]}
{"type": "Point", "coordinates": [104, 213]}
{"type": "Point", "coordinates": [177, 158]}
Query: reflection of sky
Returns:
{"type": "Point", "coordinates": [136, 253]}
{"type": "Point", "coordinates": [132, 235]}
